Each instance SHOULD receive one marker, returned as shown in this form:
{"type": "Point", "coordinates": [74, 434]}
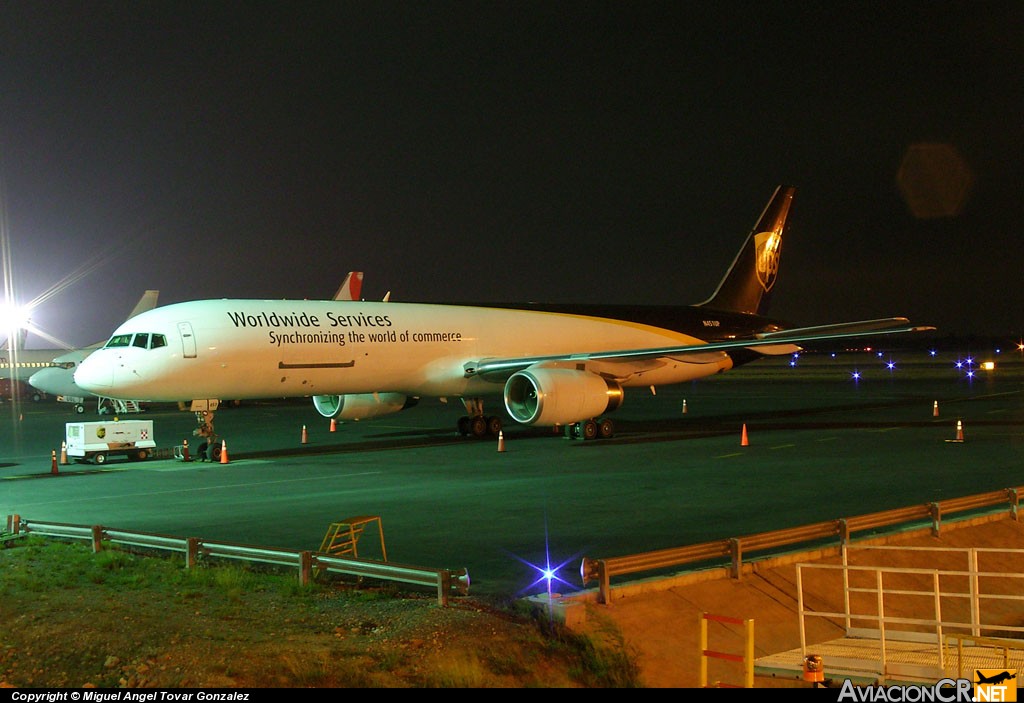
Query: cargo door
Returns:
{"type": "Point", "coordinates": [188, 340]}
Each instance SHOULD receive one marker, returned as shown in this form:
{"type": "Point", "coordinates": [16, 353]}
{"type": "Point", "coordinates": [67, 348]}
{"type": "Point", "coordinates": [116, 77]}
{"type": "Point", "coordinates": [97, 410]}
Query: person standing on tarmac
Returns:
{"type": "Point", "coordinates": [209, 438]}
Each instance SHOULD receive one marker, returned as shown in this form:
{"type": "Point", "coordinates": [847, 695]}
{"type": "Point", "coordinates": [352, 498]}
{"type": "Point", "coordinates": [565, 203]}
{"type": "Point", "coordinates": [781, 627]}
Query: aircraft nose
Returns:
{"type": "Point", "coordinates": [45, 380]}
{"type": "Point", "coordinates": [94, 374]}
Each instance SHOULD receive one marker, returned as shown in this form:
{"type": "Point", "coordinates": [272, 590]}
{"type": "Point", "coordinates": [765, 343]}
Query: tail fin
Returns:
{"type": "Point", "coordinates": [16, 341]}
{"type": "Point", "coordinates": [146, 302]}
{"type": "Point", "coordinates": [351, 288]}
{"type": "Point", "coordinates": [747, 285]}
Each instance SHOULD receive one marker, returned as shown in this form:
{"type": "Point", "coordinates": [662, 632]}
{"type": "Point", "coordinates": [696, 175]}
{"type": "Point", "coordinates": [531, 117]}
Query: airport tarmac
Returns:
{"type": "Point", "coordinates": [821, 445]}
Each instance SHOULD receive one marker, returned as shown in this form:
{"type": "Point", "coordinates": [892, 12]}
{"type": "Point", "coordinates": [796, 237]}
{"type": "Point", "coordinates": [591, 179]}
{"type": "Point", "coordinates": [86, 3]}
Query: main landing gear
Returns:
{"type": "Point", "coordinates": [590, 429]}
{"type": "Point", "coordinates": [476, 424]}
{"type": "Point", "coordinates": [479, 426]}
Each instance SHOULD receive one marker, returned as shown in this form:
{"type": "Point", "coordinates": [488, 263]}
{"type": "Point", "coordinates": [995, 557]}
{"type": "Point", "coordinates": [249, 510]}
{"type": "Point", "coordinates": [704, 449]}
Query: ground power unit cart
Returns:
{"type": "Point", "coordinates": [95, 441]}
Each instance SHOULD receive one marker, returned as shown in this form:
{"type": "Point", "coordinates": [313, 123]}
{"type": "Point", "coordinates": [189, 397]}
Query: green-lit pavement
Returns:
{"type": "Point", "coordinates": [822, 445]}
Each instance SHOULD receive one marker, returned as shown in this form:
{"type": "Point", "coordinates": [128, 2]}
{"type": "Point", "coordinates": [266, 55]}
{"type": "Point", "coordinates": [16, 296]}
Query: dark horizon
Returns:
{"type": "Point", "coordinates": [575, 153]}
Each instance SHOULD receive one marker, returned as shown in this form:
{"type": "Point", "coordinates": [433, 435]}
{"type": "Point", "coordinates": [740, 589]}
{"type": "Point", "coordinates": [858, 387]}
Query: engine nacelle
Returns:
{"type": "Point", "coordinates": [548, 397]}
{"type": "Point", "coordinates": [361, 406]}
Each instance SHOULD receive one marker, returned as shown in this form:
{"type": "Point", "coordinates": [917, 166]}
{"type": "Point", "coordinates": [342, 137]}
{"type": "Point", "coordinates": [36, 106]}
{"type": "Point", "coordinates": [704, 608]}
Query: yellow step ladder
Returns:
{"type": "Point", "coordinates": [342, 538]}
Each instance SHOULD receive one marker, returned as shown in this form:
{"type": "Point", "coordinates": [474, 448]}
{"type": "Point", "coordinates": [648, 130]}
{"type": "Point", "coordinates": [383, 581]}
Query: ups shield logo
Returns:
{"type": "Point", "coordinates": [768, 247]}
{"type": "Point", "coordinates": [995, 684]}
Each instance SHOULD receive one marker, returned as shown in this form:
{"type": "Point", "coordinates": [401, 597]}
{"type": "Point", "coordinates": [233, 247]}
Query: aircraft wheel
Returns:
{"type": "Point", "coordinates": [215, 452]}
{"type": "Point", "coordinates": [100, 458]}
{"type": "Point", "coordinates": [589, 429]}
{"type": "Point", "coordinates": [494, 425]}
{"type": "Point", "coordinates": [605, 429]}
{"type": "Point", "coordinates": [464, 426]}
{"type": "Point", "coordinates": [478, 426]}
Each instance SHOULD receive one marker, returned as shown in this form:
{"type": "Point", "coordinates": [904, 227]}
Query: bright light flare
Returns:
{"type": "Point", "coordinates": [14, 316]}
{"type": "Point", "coordinates": [15, 323]}
{"type": "Point", "coordinates": [546, 573]}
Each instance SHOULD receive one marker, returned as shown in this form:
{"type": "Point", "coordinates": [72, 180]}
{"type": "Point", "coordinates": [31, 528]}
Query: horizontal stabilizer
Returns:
{"type": "Point", "coordinates": [840, 328]}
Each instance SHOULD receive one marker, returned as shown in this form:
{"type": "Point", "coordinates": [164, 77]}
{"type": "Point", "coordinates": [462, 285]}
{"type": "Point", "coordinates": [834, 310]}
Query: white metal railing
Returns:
{"type": "Point", "coordinates": [889, 589]}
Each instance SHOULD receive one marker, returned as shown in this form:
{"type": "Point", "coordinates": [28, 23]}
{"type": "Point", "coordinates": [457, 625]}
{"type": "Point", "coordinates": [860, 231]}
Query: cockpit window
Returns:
{"type": "Point", "coordinates": [120, 340]}
{"type": "Point", "coordinates": [142, 340]}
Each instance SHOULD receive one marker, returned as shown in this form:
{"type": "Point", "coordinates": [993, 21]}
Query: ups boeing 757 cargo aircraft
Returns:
{"type": "Point", "coordinates": [553, 365]}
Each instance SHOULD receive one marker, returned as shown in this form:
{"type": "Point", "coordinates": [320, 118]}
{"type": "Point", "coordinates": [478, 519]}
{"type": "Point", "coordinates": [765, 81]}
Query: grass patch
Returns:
{"type": "Point", "coordinates": [124, 618]}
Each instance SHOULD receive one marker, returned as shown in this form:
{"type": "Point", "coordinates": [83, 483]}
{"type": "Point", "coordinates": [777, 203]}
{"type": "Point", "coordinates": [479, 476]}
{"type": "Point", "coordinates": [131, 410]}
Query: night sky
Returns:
{"type": "Point", "coordinates": [492, 151]}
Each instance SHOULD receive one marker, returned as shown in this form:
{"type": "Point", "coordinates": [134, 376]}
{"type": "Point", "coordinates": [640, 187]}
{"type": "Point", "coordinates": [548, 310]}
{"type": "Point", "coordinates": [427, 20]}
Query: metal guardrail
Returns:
{"type": "Point", "coordinates": [447, 582]}
{"type": "Point", "coordinates": [603, 570]}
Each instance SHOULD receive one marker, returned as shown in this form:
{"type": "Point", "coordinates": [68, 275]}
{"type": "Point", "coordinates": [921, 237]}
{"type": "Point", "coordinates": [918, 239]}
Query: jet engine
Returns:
{"type": "Point", "coordinates": [548, 397]}
{"type": "Point", "coordinates": [361, 406]}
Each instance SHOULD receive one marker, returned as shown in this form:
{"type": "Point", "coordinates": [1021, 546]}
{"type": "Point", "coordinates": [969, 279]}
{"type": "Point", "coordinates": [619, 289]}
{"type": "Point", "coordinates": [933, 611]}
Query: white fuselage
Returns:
{"type": "Point", "coordinates": [20, 364]}
{"type": "Point", "coordinates": [287, 348]}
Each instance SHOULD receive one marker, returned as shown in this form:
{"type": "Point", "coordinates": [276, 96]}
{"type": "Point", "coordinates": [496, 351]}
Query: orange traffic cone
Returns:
{"type": "Point", "coordinates": [501, 441]}
{"type": "Point", "coordinates": [684, 406]}
{"type": "Point", "coordinates": [63, 453]}
{"type": "Point", "coordinates": [223, 452]}
{"type": "Point", "coordinates": [935, 409]}
{"type": "Point", "coordinates": [184, 451]}
{"type": "Point", "coordinates": [305, 435]}
{"type": "Point", "coordinates": [744, 442]}
{"type": "Point", "coordinates": [959, 431]}
{"type": "Point", "coordinates": [334, 425]}
{"type": "Point", "coordinates": [53, 461]}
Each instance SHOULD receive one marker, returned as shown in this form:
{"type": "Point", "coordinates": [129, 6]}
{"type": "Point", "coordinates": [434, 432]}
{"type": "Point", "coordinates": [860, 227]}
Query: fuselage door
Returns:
{"type": "Point", "coordinates": [188, 340]}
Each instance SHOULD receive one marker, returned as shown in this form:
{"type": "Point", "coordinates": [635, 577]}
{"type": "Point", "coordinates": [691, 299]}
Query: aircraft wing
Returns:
{"type": "Point", "coordinates": [761, 343]}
